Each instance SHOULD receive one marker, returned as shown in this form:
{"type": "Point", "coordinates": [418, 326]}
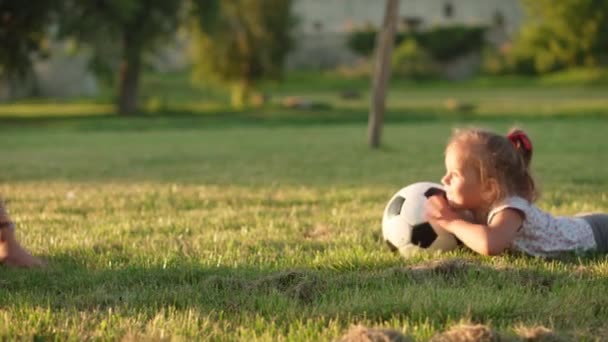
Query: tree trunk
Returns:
{"type": "Point", "coordinates": [129, 76]}
{"type": "Point", "coordinates": [382, 71]}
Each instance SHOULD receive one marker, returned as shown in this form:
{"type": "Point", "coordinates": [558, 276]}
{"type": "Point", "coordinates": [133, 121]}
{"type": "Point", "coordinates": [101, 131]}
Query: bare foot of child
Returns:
{"type": "Point", "coordinates": [16, 256]}
{"type": "Point", "coordinates": [12, 254]}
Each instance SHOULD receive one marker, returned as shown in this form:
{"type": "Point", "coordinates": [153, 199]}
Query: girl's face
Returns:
{"type": "Point", "coordinates": [462, 184]}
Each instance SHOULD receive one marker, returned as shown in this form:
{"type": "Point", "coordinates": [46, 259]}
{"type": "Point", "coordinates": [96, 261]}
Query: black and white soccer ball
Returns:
{"type": "Point", "coordinates": [404, 226]}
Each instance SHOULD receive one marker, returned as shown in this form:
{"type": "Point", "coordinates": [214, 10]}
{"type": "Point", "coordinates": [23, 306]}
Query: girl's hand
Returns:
{"type": "Point", "coordinates": [439, 213]}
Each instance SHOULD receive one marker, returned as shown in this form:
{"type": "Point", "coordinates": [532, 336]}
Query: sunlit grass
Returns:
{"type": "Point", "coordinates": [54, 109]}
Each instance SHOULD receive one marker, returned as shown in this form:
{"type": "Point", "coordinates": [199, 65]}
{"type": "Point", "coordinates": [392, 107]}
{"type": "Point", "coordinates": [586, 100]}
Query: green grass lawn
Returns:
{"type": "Point", "coordinates": [201, 222]}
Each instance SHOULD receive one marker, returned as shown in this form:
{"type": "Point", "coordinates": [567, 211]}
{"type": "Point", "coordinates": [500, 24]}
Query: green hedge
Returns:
{"type": "Point", "coordinates": [413, 61]}
{"type": "Point", "coordinates": [443, 43]}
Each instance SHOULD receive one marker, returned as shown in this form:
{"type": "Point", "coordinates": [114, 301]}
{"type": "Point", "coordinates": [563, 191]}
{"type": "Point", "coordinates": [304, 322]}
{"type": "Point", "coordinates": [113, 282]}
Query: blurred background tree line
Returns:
{"type": "Point", "coordinates": [237, 43]}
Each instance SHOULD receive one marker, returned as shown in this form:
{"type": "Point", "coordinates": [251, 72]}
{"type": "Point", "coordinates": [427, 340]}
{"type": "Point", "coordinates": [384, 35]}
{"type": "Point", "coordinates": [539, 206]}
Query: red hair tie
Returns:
{"type": "Point", "coordinates": [520, 139]}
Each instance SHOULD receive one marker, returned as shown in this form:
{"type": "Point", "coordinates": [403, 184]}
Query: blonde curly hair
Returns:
{"type": "Point", "coordinates": [506, 159]}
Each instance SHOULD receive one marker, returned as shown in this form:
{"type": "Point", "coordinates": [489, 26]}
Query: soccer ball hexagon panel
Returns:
{"type": "Point", "coordinates": [404, 226]}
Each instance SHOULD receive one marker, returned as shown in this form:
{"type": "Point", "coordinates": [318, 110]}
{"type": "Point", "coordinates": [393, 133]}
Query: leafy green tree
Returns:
{"type": "Point", "coordinates": [127, 28]}
{"type": "Point", "coordinates": [23, 30]}
{"type": "Point", "coordinates": [561, 34]}
{"type": "Point", "coordinates": [246, 41]}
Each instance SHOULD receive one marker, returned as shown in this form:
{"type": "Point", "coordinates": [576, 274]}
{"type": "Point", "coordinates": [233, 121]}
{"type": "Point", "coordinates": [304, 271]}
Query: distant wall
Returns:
{"type": "Point", "coordinates": [60, 75]}
{"type": "Point", "coordinates": [65, 74]}
{"type": "Point", "coordinates": [324, 25]}
{"type": "Point", "coordinates": [320, 51]}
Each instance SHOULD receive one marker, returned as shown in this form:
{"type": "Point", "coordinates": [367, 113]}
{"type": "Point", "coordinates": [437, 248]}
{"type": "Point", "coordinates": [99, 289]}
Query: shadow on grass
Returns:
{"type": "Point", "coordinates": [269, 116]}
{"type": "Point", "coordinates": [284, 295]}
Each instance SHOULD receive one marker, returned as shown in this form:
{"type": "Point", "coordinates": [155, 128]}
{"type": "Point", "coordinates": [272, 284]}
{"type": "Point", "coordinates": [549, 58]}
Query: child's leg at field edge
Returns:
{"type": "Point", "coordinates": [11, 252]}
{"type": "Point", "coordinates": [599, 226]}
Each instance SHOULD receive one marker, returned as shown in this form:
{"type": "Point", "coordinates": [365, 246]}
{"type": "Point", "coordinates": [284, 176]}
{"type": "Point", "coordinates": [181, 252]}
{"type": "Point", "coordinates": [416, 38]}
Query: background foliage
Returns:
{"type": "Point", "coordinates": [443, 43]}
{"type": "Point", "coordinates": [23, 32]}
{"type": "Point", "coordinates": [557, 36]}
{"type": "Point", "coordinates": [247, 42]}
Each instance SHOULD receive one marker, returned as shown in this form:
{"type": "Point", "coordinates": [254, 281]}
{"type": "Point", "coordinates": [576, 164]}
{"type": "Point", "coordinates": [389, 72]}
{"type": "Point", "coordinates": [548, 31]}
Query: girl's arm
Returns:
{"type": "Point", "coordinates": [489, 239]}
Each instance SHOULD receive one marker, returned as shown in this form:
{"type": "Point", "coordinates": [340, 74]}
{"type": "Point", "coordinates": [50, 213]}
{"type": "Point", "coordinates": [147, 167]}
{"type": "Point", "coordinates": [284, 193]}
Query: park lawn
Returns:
{"type": "Point", "coordinates": [265, 224]}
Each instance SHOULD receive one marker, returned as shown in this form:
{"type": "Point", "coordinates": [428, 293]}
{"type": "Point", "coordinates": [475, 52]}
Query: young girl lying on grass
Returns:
{"type": "Point", "coordinates": [11, 252]}
{"type": "Point", "coordinates": [489, 174]}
